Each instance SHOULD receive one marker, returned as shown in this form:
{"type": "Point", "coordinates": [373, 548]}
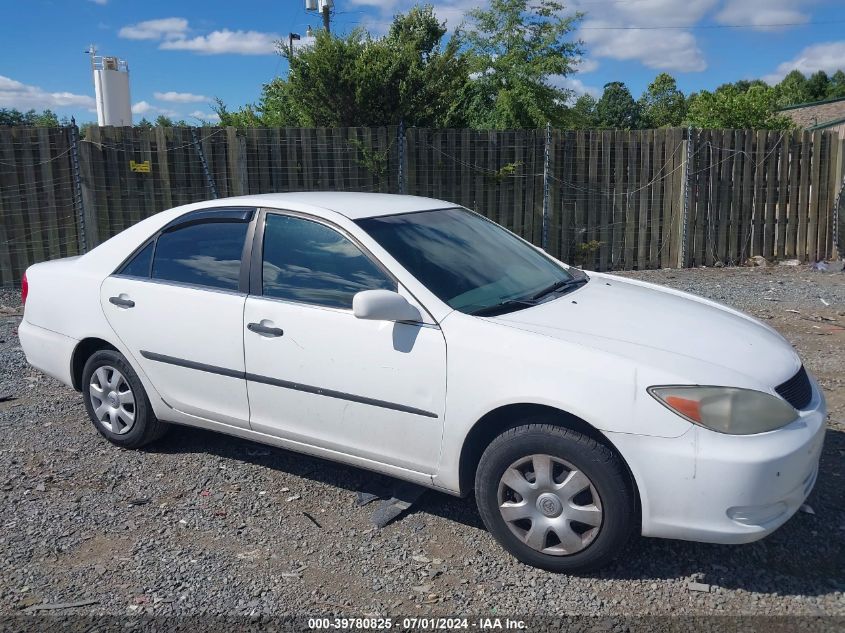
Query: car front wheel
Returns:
{"type": "Point", "coordinates": [117, 402]}
{"type": "Point", "coordinates": [554, 498]}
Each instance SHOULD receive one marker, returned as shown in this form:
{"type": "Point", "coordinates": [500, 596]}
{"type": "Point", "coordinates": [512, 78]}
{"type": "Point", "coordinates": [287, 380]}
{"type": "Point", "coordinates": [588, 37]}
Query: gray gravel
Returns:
{"type": "Point", "coordinates": [206, 524]}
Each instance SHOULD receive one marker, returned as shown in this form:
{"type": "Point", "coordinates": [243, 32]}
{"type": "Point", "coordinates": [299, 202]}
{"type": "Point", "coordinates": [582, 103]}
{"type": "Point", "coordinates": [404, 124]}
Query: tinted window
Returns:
{"type": "Point", "coordinates": [204, 254]}
{"type": "Point", "coordinates": [139, 266]}
{"type": "Point", "coordinates": [470, 263]}
{"type": "Point", "coordinates": [309, 262]}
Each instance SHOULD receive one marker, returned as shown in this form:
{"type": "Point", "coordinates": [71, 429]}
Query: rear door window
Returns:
{"type": "Point", "coordinates": [203, 254]}
{"type": "Point", "coordinates": [139, 265]}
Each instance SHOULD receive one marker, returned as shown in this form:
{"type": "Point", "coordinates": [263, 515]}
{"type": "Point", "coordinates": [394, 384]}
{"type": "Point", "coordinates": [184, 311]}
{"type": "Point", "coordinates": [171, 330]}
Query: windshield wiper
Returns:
{"type": "Point", "coordinates": [508, 305]}
{"type": "Point", "coordinates": [563, 284]}
{"type": "Point", "coordinates": [502, 307]}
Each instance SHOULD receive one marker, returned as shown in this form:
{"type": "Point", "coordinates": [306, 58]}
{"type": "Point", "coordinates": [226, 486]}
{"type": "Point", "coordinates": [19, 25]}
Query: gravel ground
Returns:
{"type": "Point", "coordinates": [206, 524]}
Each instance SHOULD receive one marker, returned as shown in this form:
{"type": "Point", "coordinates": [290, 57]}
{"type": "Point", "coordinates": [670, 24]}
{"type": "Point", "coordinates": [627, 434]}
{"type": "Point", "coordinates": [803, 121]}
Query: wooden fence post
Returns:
{"type": "Point", "coordinates": [547, 141]}
{"type": "Point", "coordinates": [163, 173]}
{"type": "Point", "coordinates": [683, 207]}
{"type": "Point", "coordinates": [236, 153]}
{"type": "Point", "coordinates": [839, 200]}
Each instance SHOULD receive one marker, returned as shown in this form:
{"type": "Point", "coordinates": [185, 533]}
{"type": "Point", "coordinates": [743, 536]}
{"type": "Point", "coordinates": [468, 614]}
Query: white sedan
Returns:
{"type": "Point", "coordinates": [418, 339]}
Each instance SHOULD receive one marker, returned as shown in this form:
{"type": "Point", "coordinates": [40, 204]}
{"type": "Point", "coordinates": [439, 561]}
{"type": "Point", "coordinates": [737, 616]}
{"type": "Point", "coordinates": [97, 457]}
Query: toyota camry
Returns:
{"type": "Point", "coordinates": [418, 339]}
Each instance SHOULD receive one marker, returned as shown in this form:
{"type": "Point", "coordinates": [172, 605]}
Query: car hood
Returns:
{"type": "Point", "coordinates": [698, 340]}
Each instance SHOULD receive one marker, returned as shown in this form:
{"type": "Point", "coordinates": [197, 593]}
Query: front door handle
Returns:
{"type": "Point", "coordinates": [263, 329]}
{"type": "Point", "coordinates": [121, 302]}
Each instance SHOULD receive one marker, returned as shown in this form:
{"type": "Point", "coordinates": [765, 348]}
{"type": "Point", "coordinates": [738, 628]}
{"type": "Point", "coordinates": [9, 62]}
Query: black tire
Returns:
{"type": "Point", "coordinates": [146, 427]}
{"type": "Point", "coordinates": [600, 465]}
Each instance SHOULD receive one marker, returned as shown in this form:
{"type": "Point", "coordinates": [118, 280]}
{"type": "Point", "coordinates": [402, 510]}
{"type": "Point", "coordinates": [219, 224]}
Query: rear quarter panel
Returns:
{"type": "Point", "coordinates": [64, 294]}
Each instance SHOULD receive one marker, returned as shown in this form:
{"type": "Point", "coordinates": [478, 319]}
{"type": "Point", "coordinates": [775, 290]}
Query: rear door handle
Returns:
{"type": "Point", "coordinates": [123, 303]}
{"type": "Point", "coordinates": [263, 329]}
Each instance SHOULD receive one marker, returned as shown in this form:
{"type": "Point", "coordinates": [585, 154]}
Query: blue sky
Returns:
{"type": "Point", "coordinates": [182, 54]}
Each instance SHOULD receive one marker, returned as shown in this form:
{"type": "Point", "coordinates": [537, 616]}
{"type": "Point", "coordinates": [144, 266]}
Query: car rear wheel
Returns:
{"type": "Point", "coordinates": [117, 402]}
{"type": "Point", "coordinates": [554, 498]}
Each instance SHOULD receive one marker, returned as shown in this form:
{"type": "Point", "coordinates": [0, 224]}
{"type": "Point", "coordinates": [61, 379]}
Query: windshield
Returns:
{"type": "Point", "coordinates": [469, 262]}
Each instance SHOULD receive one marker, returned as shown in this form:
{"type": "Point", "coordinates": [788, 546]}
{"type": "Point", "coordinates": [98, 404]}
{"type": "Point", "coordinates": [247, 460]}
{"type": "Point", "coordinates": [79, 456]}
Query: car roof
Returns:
{"type": "Point", "coordinates": [353, 205]}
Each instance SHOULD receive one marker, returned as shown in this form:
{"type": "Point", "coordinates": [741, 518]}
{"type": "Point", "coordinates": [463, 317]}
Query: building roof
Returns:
{"type": "Point", "coordinates": [811, 103]}
{"type": "Point", "coordinates": [826, 124]}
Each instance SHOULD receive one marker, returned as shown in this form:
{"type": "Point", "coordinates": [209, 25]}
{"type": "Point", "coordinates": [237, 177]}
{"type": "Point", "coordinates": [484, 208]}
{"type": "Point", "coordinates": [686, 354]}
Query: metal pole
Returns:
{"type": "Point", "coordinates": [201, 154]}
{"type": "Point", "coordinates": [77, 185]}
{"type": "Point", "coordinates": [325, 12]}
{"type": "Point", "coordinates": [401, 139]}
{"type": "Point", "coordinates": [291, 38]}
{"type": "Point", "coordinates": [544, 240]}
{"type": "Point", "coordinates": [685, 220]}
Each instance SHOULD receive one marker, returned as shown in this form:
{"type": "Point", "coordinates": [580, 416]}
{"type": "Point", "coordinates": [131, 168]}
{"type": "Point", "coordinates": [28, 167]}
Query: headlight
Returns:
{"type": "Point", "coordinates": [726, 409]}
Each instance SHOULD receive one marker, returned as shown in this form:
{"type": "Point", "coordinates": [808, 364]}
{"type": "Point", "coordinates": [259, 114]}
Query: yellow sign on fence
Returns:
{"type": "Point", "coordinates": [140, 168]}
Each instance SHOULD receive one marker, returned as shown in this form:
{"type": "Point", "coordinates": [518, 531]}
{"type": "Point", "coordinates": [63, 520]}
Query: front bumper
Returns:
{"type": "Point", "coordinates": [717, 488]}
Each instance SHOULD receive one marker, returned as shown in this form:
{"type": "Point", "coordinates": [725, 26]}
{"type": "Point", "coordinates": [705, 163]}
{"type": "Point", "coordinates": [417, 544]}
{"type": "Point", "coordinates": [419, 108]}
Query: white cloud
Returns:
{"type": "Point", "coordinates": [828, 56]}
{"type": "Point", "coordinates": [667, 49]}
{"type": "Point", "coordinates": [211, 117]}
{"type": "Point", "coordinates": [575, 85]}
{"type": "Point", "coordinates": [761, 13]}
{"type": "Point", "coordinates": [142, 107]}
{"type": "Point", "coordinates": [586, 66]}
{"type": "Point", "coordinates": [15, 94]}
{"type": "Point", "coordinates": [145, 107]}
{"type": "Point", "coordinates": [672, 50]}
{"type": "Point", "coordinates": [453, 12]}
{"type": "Point", "coordinates": [164, 28]}
{"type": "Point", "coordinates": [172, 34]}
{"type": "Point", "coordinates": [100, 2]}
{"type": "Point", "coordinates": [384, 4]}
{"type": "Point", "coordinates": [450, 11]}
{"type": "Point", "coordinates": [180, 97]}
{"type": "Point", "coordinates": [226, 41]}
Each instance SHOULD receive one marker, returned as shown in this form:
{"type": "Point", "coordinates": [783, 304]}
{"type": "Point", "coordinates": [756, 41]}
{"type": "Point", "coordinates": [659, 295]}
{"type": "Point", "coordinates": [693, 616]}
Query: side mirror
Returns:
{"type": "Point", "coordinates": [383, 305]}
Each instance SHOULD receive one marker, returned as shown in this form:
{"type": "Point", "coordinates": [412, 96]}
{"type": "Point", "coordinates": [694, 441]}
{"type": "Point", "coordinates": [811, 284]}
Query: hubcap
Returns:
{"type": "Point", "coordinates": [550, 505]}
{"type": "Point", "coordinates": [112, 400]}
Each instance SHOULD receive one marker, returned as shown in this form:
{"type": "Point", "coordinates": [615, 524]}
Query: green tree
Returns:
{"type": "Point", "coordinates": [836, 87]}
{"type": "Point", "coordinates": [30, 118]}
{"type": "Point", "coordinates": [409, 75]}
{"type": "Point", "coordinates": [166, 121]}
{"type": "Point", "coordinates": [729, 107]}
{"type": "Point", "coordinates": [250, 115]}
{"type": "Point", "coordinates": [418, 28]}
{"type": "Point", "coordinates": [517, 48]}
{"type": "Point", "coordinates": [583, 112]}
{"type": "Point", "coordinates": [616, 108]}
{"type": "Point", "coordinates": [793, 89]}
{"type": "Point", "coordinates": [662, 104]}
{"type": "Point", "coordinates": [11, 116]}
{"type": "Point", "coordinates": [47, 118]}
{"type": "Point", "coordinates": [743, 84]}
{"type": "Point", "coordinates": [817, 86]}
{"type": "Point", "coordinates": [144, 122]}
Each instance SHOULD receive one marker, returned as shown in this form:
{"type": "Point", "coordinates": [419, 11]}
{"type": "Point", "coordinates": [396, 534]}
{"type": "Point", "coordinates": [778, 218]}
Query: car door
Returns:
{"type": "Point", "coordinates": [177, 304]}
{"type": "Point", "coordinates": [318, 375]}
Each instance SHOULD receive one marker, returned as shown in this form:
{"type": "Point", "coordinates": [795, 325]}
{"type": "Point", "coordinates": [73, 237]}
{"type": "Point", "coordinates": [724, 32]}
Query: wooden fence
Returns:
{"type": "Point", "coordinates": [604, 199]}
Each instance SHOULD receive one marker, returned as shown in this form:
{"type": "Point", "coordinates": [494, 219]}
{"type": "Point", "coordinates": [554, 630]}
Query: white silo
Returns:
{"type": "Point", "coordinates": [111, 90]}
